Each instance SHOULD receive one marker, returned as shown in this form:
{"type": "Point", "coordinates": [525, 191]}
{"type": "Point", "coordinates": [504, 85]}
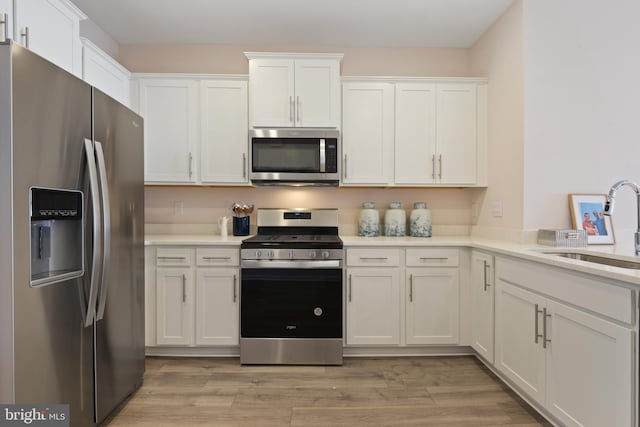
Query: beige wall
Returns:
{"type": "Point", "coordinates": [230, 59]}
{"type": "Point", "coordinates": [498, 55]}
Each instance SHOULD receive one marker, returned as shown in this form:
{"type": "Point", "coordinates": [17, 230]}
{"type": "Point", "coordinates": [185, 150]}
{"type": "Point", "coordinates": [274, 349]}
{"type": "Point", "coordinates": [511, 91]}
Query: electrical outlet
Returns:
{"type": "Point", "coordinates": [496, 208]}
{"type": "Point", "coordinates": [178, 207]}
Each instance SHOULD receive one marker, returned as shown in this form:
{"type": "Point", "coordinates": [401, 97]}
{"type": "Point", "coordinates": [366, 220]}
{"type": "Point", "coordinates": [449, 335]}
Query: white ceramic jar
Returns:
{"type": "Point", "coordinates": [420, 220]}
{"type": "Point", "coordinates": [369, 221]}
{"type": "Point", "coordinates": [395, 220]}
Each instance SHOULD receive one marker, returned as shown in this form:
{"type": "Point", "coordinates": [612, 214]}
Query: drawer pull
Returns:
{"type": "Point", "coordinates": [425, 258]}
{"type": "Point", "coordinates": [216, 258]}
{"type": "Point", "coordinates": [373, 258]}
{"type": "Point", "coordinates": [172, 257]}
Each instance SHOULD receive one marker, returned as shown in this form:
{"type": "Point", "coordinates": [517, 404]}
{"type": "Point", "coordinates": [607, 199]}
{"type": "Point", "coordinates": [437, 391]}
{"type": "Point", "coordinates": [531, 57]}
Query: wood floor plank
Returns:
{"type": "Point", "coordinates": [367, 392]}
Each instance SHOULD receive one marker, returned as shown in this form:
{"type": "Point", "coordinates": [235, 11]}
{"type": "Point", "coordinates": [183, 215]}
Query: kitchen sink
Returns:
{"type": "Point", "coordinates": [613, 262]}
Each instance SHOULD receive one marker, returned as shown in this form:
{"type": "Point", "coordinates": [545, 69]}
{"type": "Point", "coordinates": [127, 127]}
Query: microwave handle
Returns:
{"type": "Point", "coordinates": [323, 156]}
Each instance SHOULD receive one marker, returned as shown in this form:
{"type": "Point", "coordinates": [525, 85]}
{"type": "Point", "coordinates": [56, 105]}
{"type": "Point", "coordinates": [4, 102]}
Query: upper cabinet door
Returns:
{"type": "Point", "coordinates": [272, 92]}
{"type": "Point", "coordinates": [105, 73]}
{"type": "Point", "coordinates": [456, 133]}
{"type": "Point", "coordinates": [367, 133]}
{"type": "Point", "coordinates": [317, 93]}
{"type": "Point", "coordinates": [224, 137]}
{"type": "Point", "coordinates": [169, 108]}
{"type": "Point", "coordinates": [415, 145]}
{"type": "Point", "coordinates": [51, 28]}
{"type": "Point", "coordinates": [6, 20]}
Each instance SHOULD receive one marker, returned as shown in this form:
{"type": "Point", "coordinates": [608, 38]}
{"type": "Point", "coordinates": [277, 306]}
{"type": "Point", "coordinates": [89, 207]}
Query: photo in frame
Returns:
{"type": "Point", "coordinates": [587, 214]}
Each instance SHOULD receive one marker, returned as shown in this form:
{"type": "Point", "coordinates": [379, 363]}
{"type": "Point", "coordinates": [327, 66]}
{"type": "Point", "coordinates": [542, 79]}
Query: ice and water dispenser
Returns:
{"type": "Point", "coordinates": [57, 235]}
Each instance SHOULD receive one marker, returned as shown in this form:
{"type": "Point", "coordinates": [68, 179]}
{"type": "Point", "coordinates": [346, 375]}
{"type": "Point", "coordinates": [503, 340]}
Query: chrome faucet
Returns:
{"type": "Point", "coordinates": [608, 206]}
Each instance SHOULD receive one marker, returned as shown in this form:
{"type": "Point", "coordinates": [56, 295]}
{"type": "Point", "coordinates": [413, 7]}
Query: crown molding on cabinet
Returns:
{"type": "Point", "coordinates": [291, 55]}
{"type": "Point", "coordinates": [406, 79]}
{"type": "Point", "coordinates": [187, 76]}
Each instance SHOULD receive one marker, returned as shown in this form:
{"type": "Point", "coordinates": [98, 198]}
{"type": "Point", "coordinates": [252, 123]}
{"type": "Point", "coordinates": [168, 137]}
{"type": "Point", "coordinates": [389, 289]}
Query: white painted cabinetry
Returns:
{"type": "Point", "coordinates": [196, 297]}
{"type": "Point", "coordinates": [6, 20]}
{"type": "Point", "coordinates": [169, 108]}
{"type": "Point", "coordinates": [432, 296]}
{"type": "Point", "coordinates": [373, 297]}
{"type": "Point", "coordinates": [436, 133]}
{"type": "Point", "coordinates": [482, 304]}
{"type": "Point", "coordinates": [223, 132]}
{"type": "Point", "coordinates": [294, 90]}
{"type": "Point", "coordinates": [367, 133]}
{"type": "Point", "coordinates": [195, 129]}
{"type": "Point", "coordinates": [105, 73]}
{"type": "Point", "coordinates": [51, 28]}
{"type": "Point", "coordinates": [574, 358]}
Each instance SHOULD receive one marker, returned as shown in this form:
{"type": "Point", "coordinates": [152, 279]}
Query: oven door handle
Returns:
{"type": "Point", "coordinates": [254, 263]}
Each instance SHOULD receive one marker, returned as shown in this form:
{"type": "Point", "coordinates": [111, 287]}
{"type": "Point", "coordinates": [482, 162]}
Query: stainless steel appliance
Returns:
{"type": "Point", "coordinates": [71, 241]}
{"type": "Point", "coordinates": [294, 157]}
{"type": "Point", "coordinates": [291, 289]}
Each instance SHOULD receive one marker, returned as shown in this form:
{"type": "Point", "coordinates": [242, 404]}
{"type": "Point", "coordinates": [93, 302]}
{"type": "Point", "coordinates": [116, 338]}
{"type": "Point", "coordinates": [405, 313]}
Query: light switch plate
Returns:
{"type": "Point", "coordinates": [496, 208]}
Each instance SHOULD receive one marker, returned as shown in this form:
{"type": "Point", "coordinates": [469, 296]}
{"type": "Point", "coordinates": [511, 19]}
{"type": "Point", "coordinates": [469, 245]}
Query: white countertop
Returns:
{"type": "Point", "coordinates": [529, 252]}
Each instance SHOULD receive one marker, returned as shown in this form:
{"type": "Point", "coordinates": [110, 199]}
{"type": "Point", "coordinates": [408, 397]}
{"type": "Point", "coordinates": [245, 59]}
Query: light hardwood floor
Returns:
{"type": "Point", "coordinates": [371, 392]}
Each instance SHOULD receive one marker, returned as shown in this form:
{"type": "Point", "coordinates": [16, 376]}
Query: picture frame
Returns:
{"type": "Point", "coordinates": [589, 208]}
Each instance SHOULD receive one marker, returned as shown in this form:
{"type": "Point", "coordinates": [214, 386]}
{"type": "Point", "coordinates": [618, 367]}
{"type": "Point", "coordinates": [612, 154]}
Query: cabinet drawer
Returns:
{"type": "Point", "coordinates": [373, 257]}
{"type": "Point", "coordinates": [174, 257]}
{"type": "Point", "coordinates": [214, 257]}
{"type": "Point", "coordinates": [432, 257]}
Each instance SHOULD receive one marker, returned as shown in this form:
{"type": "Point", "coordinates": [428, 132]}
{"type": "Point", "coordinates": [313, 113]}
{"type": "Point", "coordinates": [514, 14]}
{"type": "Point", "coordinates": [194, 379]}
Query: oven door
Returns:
{"type": "Point", "coordinates": [291, 303]}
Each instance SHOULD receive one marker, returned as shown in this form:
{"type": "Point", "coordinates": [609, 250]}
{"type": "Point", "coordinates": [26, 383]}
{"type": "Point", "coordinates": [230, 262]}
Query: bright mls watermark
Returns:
{"type": "Point", "coordinates": [34, 415]}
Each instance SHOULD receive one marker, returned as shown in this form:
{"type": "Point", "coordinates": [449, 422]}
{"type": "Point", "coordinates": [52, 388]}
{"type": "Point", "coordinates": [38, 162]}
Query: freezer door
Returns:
{"type": "Point", "coordinates": [51, 117]}
{"type": "Point", "coordinates": [119, 352]}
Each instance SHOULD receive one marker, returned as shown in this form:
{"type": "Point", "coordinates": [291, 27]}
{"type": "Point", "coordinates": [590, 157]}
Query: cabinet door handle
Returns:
{"type": "Point", "coordinates": [427, 258]}
{"type": "Point", "coordinates": [184, 288]}
{"type": "Point", "coordinates": [440, 166]}
{"type": "Point", "coordinates": [217, 258]}
{"type": "Point", "coordinates": [411, 288]}
{"type": "Point", "coordinates": [25, 36]}
{"type": "Point", "coordinates": [291, 109]}
{"type": "Point", "coordinates": [545, 340]}
{"type": "Point", "coordinates": [5, 22]}
{"type": "Point", "coordinates": [172, 257]}
{"type": "Point", "coordinates": [486, 281]}
{"type": "Point", "coordinates": [374, 258]}
{"type": "Point", "coordinates": [190, 165]}
{"type": "Point", "coordinates": [344, 167]}
{"type": "Point", "coordinates": [349, 288]}
{"type": "Point", "coordinates": [433, 167]}
{"type": "Point", "coordinates": [537, 334]}
{"type": "Point", "coordinates": [244, 165]}
{"type": "Point", "coordinates": [235, 293]}
{"type": "Point", "coordinates": [298, 109]}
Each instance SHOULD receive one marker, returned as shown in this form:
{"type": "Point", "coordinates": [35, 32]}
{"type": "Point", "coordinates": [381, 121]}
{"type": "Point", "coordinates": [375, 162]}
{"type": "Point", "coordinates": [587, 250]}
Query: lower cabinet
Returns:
{"type": "Point", "coordinates": [197, 297]}
{"type": "Point", "coordinates": [373, 306]}
{"type": "Point", "coordinates": [577, 364]}
{"type": "Point", "coordinates": [482, 304]}
{"type": "Point", "coordinates": [402, 296]}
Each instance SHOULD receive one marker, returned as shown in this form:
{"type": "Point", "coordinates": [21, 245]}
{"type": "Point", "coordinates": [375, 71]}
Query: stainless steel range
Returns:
{"type": "Point", "coordinates": [291, 289]}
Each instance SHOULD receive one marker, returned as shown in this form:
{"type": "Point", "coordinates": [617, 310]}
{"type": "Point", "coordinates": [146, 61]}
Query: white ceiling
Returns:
{"type": "Point", "coordinates": [345, 23]}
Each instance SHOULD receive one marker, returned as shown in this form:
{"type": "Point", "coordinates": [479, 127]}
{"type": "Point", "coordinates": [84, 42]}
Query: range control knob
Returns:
{"type": "Point", "coordinates": [258, 254]}
{"type": "Point", "coordinates": [312, 254]}
{"type": "Point", "coordinates": [325, 254]}
{"type": "Point", "coordinates": [292, 254]}
{"type": "Point", "coordinates": [270, 254]}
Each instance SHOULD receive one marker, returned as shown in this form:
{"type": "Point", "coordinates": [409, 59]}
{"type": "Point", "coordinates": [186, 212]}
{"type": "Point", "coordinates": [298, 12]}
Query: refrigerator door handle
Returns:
{"type": "Point", "coordinates": [97, 232]}
{"type": "Point", "coordinates": [106, 224]}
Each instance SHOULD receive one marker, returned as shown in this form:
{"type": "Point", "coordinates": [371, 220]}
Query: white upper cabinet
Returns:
{"type": "Point", "coordinates": [169, 108]}
{"type": "Point", "coordinates": [294, 90]}
{"type": "Point", "coordinates": [105, 73]}
{"type": "Point", "coordinates": [367, 133]}
{"type": "Point", "coordinates": [51, 28]}
{"type": "Point", "coordinates": [456, 133]}
{"type": "Point", "coordinates": [436, 133]}
{"type": "Point", "coordinates": [6, 20]}
{"type": "Point", "coordinates": [223, 132]}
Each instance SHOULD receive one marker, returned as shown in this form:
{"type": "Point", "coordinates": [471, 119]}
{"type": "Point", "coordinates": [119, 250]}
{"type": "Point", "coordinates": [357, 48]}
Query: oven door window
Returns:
{"type": "Point", "coordinates": [286, 155]}
{"type": "Point", "coordinates": [291, 303]}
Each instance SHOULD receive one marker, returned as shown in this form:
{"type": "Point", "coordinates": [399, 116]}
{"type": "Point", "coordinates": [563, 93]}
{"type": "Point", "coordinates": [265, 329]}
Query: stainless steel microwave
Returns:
{"type": "Point", "coordinates": [294, 157]}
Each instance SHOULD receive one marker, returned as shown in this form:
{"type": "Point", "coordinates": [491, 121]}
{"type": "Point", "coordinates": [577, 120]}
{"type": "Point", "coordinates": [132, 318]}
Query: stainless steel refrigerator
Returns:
{"type": "Point", "coordinates": [71, 241]}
